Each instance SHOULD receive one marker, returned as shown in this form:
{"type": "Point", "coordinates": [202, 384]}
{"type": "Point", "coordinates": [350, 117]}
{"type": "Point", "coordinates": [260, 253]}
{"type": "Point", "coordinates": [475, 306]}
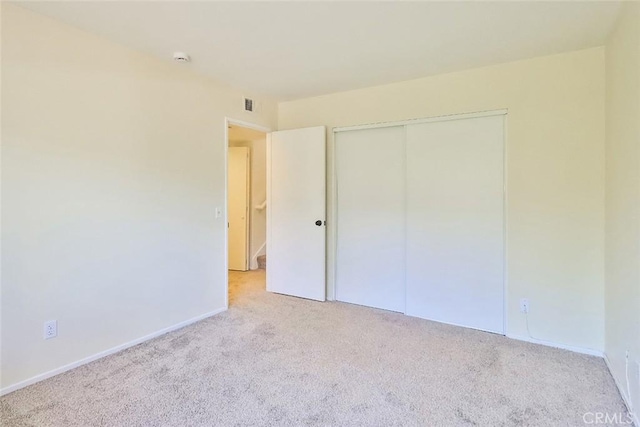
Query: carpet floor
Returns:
{"type": "Point", "coordinates": [273, 360]}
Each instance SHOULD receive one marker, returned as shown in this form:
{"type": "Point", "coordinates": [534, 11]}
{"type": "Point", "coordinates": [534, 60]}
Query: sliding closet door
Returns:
{"type": "Point", "coordinates": [455, 224]}
{"type": "Point", "coordinates": [370, 221]}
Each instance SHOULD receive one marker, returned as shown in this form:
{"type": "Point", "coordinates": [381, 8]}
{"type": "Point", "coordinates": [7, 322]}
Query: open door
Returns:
{"type": "Point", "coordinates": [296, 197]}
{"type": "Point", "coordinates": [238, 194]}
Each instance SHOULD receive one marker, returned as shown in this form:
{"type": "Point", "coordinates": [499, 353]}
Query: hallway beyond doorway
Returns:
{"type": "Point", "coordinates": [245, 283]}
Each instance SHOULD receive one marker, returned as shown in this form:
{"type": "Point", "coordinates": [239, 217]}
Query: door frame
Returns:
{"type": "Point", "coordinates": [332, 250]}
{"type": "Point", "coordinates": [227, 122]}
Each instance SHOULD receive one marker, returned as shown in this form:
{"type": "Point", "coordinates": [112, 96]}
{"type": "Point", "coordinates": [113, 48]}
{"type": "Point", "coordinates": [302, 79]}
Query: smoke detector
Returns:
{"type": "Point", "coordinates": [181, 57]}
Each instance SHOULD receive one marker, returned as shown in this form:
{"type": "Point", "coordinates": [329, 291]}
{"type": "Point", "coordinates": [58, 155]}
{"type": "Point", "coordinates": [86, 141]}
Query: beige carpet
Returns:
{"type": "Point", "coordinates": [273, 360]}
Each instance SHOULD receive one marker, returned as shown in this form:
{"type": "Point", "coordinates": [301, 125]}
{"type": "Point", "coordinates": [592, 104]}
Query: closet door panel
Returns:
{"type": "Point", "coordinates": [455, 224]}
{"type": "Point", "coordinates": [370, 222]}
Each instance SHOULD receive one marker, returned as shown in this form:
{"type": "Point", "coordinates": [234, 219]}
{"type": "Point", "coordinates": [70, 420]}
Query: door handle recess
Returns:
{"type": "Point", "coordinates": [318, 223]}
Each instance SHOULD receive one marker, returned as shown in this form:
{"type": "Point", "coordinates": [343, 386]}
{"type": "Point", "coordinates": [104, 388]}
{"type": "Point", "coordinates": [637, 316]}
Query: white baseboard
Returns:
{"type": "Point", "coordinates": [582, 350]}
{"type": "Point", "coordinates": [100, 355]}
{"type": "Point", "coordinates": [622, 389]}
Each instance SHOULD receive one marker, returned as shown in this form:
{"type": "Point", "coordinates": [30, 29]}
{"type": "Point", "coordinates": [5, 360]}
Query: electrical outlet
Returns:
{"type": "Point", "coordinates": [50, 329]}
{"type": "Point", "coordinates": [218, 212]}
{"type": "Point", "coordinates": [524, 305]}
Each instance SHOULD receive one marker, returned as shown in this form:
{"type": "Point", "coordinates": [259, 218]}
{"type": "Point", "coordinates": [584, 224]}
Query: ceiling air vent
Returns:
{"type": "Point", "coordinates": [249, 105]}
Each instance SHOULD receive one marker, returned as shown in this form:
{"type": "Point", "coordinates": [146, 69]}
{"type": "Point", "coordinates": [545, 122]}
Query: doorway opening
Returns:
{"type": "Point", "coordinates": [246, 209]}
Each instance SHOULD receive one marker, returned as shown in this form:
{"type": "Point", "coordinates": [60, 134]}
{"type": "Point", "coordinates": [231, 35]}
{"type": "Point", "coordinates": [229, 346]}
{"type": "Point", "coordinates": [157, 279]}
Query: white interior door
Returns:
{"type": "Point", "coordinates": [296, 197]}
{"type": "Point", "coordinates": [238, 210]}
{"type": "Point", "coordinates": [370, 169]}
{"type": "Point", "coordinates": [455, 223]}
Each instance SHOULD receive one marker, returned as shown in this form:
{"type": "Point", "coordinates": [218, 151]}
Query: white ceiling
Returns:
{"type": "Point", "coordinates": [298, 49]}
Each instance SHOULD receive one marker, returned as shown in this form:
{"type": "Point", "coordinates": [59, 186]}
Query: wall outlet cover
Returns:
{"type": "Point", "coordinates": [50, 329]}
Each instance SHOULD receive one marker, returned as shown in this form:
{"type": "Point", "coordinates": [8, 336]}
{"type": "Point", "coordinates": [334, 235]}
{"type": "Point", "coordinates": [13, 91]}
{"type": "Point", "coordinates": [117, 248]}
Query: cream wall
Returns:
{"type": "Point", "coordinates": [622, 262]}
{"type": "Point", "coordinates": [257, 218]}
{"type": "Point", "coordinates": [555, 167]}
{"type": "Point", "coordinates": [112, 167]}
